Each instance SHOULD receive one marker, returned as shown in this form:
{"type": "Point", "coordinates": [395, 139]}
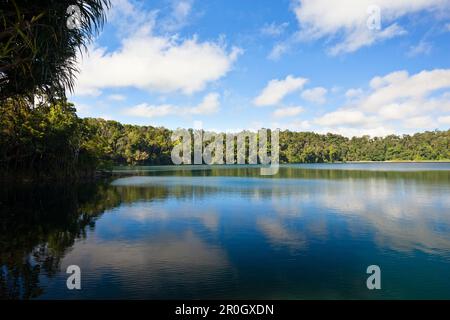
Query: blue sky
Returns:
{"type": "Point", "coordinates": [303, 65]}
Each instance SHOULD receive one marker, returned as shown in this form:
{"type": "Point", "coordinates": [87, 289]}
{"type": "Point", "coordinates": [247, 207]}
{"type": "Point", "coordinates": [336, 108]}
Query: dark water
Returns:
{"type": "Point", "coordinates": [309, 232]}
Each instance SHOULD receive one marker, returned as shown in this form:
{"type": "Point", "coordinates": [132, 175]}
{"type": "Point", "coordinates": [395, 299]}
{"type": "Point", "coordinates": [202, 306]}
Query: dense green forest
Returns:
{"type": "Point", "coordinates": [48, 138]}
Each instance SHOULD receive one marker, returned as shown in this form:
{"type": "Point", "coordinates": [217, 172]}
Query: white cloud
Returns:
{"type": "Point", "coordinates": [293, 125]}
{"type": "Point", "coordinates": [421, 48]}
{"type": "Point", "coordinates": [298, 125]}
{"type": "Point", "coordinates": [88, 111]}
{"type": "Point", "coordinates": [397, 76]}
{"type": "Point", "coordinates": [276, 90]}
{"type": "Point", "coordinates": [181, 10]}
{"type": "Point", "coordinates": [117, 97]}
{"type": "Point", "coordinates": [392, 111]}
{"type": "Point", "coordinates": [316, 95]}
{"type": "Point", "coordinates": [420, 122]}
{"type": "Point", "coordinates": [365, 37]}
{"type": "Point", "coordinates": [353, 93]}
{"type": "Point", "coordinates": [83, 110]}
{"type": "Point", "coordinates": [444, 120]}
{"type": "Point", "coordinates": [375, 131]}
{"type": "Point", "coordinates": [157, 63]}
{"type": "Point", "coordinates": [151, 111]}
{"type": "Point", "coordinates": [401, 87]}
{"type": "Point", "coordinates": [344, 22]}
{"type": "Point", "coordinates": [342, 118]}
{"type": "Point", "coordinates": [397, 103]}
{"type": "Point", "coordinates": [128, 17]}
{"type": "Point", "coordinates": [273, 29]}
{"type": "Point", "coordinates": [209, 105]}
{"type": "Point", "coordinates": [277, 51]}
{"type": "Point", "coordinates": [288, 112]}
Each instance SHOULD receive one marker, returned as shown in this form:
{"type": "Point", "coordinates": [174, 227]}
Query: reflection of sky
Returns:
{"type": "Point", "coordinates": [366, 166]}
{"type": "Point", "coordinates": [401, 216]}
{"type": "Point", "coordinates": [216, 235]}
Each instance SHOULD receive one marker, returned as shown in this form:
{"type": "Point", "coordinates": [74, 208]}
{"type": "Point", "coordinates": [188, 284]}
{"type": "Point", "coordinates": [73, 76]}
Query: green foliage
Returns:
{"type": "Point", "coordinates": [41, 138]}
{"type": "Point", "coordinates": [309, 147]}
{"type": "Point", "coordinates": [37, 49]}
{"type": "Point", "coordinates": [127, 144]}
{"type": "Point", "coordinates": [49, 139]}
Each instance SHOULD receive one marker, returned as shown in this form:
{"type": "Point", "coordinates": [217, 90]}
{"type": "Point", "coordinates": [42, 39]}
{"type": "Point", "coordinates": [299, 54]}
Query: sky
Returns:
{"type": "Point", "coordinates": [352, 67]}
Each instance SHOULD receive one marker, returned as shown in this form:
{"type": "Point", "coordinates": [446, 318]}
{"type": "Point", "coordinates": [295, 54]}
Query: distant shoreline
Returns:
{"type": "Point", "coordinates": [286, 163]}
{"type": "Point", "coordinates": [282, 164]}
{"type": "Point", "coordinates": [398, 161]}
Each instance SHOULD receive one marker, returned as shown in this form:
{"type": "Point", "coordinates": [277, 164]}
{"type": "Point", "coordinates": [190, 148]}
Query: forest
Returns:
{"type": "Point", "coordinates": [49, 139]}
{"type": "Point", "coordinates": [41, 134]}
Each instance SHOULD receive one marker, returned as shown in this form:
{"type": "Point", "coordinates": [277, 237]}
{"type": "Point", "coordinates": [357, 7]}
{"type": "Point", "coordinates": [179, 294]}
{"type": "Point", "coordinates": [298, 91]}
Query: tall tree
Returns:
{"type": "Point", "coordinates": [39, 43]}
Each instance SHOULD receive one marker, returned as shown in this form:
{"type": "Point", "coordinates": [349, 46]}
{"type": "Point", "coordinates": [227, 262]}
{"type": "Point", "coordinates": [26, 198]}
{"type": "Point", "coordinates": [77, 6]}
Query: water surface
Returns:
{"type": "Point", "coordinates": [226, 232]}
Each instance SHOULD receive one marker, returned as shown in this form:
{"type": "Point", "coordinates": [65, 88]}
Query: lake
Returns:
{"type": "Point", "coordinates": [202, 232]}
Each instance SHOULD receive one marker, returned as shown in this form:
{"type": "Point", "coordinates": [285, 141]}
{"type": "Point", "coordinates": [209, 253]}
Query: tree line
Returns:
{"type": "Point", "coordinates": [40, 133]}
{"type": "Point", "coordinates": [48, 138]}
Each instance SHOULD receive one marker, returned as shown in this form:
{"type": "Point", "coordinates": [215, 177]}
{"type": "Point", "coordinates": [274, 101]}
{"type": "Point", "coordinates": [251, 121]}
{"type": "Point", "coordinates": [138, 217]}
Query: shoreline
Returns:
{"type": "Point", "coordinates": [398, 161]}
{"type": "Point", "coordinates": [281, 164]}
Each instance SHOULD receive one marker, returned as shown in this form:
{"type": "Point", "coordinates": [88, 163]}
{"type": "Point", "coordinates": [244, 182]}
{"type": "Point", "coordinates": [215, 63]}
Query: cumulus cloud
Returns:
{"type": "Point", "coordinates": [287, 112]}
{"type": "Point", "coordinates": [444, 120]}
{"type": "Point", "coordinates": [316, 95]}
{"type": "Point", "coordinates": [151, 111]}
{"type": "Point", "coordinates": [344, 23]}
{"type": "Point", "coordinates": [156, 63]}
{"type": "Point", "coordinates": [401, 88]}
{"type": "Point", "coordinates": [209, 105]}
{"type": "Point", "coordinates": [353, 93]}
{"type": "Point", "coordinates": [396, 103]}
{"type": "Point", "coordinates": [276, 90]}
{"type": "Point", "coordinates": [343, 118]}
{"type": "Point", "coordinates": [419, 122]}
{"type": "Point", "coordinates": [116, 97]}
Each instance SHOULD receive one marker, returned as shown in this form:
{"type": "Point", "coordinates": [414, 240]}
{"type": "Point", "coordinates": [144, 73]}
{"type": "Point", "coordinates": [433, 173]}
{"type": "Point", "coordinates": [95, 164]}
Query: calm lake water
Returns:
{"type": "Point", "coordinates": [310, 231]}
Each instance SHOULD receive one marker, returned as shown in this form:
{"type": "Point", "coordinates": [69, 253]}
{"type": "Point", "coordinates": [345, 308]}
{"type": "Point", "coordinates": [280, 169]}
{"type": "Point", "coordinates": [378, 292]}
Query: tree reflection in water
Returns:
{"type": "Point", "coordinates": [361, 214]}
{"type": "Point", "coordinates": [38, 225]}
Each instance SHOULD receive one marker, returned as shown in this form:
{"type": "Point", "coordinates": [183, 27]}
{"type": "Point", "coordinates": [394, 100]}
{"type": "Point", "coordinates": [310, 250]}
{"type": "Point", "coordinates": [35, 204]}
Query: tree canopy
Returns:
{"type": "Point", "coordinates": [50, 139]}
{"type": "Point", "coordinates": [38, 50]}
